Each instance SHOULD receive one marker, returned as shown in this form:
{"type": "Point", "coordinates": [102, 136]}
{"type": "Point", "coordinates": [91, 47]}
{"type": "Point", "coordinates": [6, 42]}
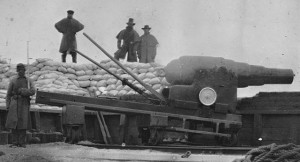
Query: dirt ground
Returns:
{"type": "Point", "coordinates": [62, 152]}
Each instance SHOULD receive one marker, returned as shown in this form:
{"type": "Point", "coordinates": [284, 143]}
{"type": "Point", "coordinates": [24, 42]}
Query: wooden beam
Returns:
{"type": "Point", "coordinates": [102, 129]}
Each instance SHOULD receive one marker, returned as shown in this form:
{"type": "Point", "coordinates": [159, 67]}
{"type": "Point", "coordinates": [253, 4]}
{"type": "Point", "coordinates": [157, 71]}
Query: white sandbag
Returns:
{"type": "Point", "coordinates": [139, 86]}
{"type": "Point", "coordinates": [32, 69]}
{"type": "Point", "coordinates": [94, 83]}
{"type": "Point", "coordinates": [49, 63]}
{"type": "Point", "coordinates": [4, 85]}
{"type": "Point", "coordinates": [144, 66]}
{"type": "Point", "coordinates": [41, 60]}
{"type": "Point", "coordinates": [34, 63]}
{"type": "Point", "coordinates": [100, 72]}
{"type": "Point", "coordinates": [122, 92]}
{"type": "Point", "coordinates": [89, 67]}
{"type": "Point", "coordinates": [131, 92]}
{"type": "Point", "coordinates": [3, 91]}
{"type": "Point", "coordinates": [107, 76]}
{"type": "Point", "coordinates": [135, 71]}
{"type": "Point", "coordinates": [92, 89]}
{"type": "Point", "coordinates": [102, 83]}
{"type": "Point", "coordinates": [71, 76]}
{"type": "Point", "coordinates": [79, 67]}
{"type": "Point", "coordinates": [96, 77]}
{"type": "Point", "coordinates": [89, 72]}
{"type": "Point", "coordinates": [119, 87]}
{"type": "Point", "coordinates": [83, 77]}
{"type": "Point", "coordinates": [76, 83]}
{"type": "Point", "coordinates": [58, 82]}
{"type": "Point", "coordinates": [72, 86]}
{"type": "Point", "coordinates": [113, 93]}
{"type": "Point", "coordinates": [120, 71]}
{"type": "Point", "coordinates": [51, 76]}
{"type": "Point", "coordinates": [150, 75]}
{"type": "Point", "coordinates": [62, 69]}
{"type": "Point", "coordinates": [127, 88]}
{"type": "Point", "coordinates": [111, 87]}
{"type": "Point", "coordinates": [151, 69]}
{"type": "Point", "coordinates": [119, 82]}
{"type": "Point", "coordinates": [155, 80]}
{"type": "Point", "coordinates": [10, 73]}
{"type": "Point", "coordinates": [98, 93]}
{"type": "Point", "coordinates": [40, 65]}
{"type": "Point", "coordinates": [2, 95]}
{"type": "Point", "coordinates": [147, 80]}
{"type": "Point", "coordinates": [2, 100]}
{"type": "Point", "coordinates": [113, 70]}
{"type": "Point", "coordinates": [80, 73]}
{"type": "Point", "coordinates": [127, 76]}
{"type": "Point", "coordinates": [143, 71]}
{"type": "Point", "coordinates": [111, 81]}
{"type": "Point", "coordinates": [33, 77]}
{"type": "Point", "coordinates": [71, 71]}
{"type": "Point", "coordinates": [45, 81]}
{"type": "Point", "coordinates": [84, 83]}
{"type": "Point", "coordinates": [2, 76]}
{"type": "Point", "coordinates": [156, 86]}
{"type": "Point", "coordinates": [49, 68]}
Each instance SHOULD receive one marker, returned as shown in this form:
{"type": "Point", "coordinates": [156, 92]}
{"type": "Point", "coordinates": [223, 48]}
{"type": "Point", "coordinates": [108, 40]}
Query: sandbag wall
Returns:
{"type": "Point", "coordinates": [83, 79]}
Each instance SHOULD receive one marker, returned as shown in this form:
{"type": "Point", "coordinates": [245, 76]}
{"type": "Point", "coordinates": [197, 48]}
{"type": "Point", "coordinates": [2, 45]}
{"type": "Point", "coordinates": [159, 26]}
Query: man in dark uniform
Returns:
{"type": "Point", "coordinates": [18, 103]}
{"type": "Point", "coordinates": [68, 27]}
{"type": "Point", "coordinates": [129, 37]}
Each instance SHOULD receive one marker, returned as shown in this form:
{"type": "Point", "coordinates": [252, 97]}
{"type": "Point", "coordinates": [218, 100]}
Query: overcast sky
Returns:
{"type": "Point", "coordinates": [258, 32]}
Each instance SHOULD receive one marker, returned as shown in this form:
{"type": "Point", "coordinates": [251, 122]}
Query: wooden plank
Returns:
{"type": "Point", "coordinates": [37, 120]}
{"type": "Point", "coordinates": [102, 129]}
{"type": "Point", "coordinates": [197, 131]}
{"type": "Point", "coordinates": [137, 111]}
{"type": "Point", "coordinates": [257, 129]}
{"type": "Point", "coordinates": [105, 127]}
{"type": "Point", "coordinates": [282, 112]}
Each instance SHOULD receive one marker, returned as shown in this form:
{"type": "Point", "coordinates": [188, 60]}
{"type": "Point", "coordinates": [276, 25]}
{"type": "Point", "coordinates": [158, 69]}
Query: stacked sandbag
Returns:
{"type": "Point", "coordinates": [86, 79]}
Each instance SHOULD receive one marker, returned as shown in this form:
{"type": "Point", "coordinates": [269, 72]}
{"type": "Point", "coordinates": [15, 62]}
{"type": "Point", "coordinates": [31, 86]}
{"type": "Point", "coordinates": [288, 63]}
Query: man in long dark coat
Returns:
{"type": "Point", "coordinates": [147, 46]}
{"type": "Point", "coordinates": [18, 103]}
{"type": "Point", "coordinates": [129, 37]}
{"type": "Point", "coordinates": [68, 27]}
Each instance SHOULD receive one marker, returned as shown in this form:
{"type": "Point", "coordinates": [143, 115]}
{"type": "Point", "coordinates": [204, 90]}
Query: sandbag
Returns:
{"type": "Point", "coordinates": [102, 83]}
{"type": "Point", "coordinates": [83, 78]}
{"type": "Point", "coordinates": [49, 68]}
{"type": "Point", "coordinates": [41, 60]}
{"type": "Point", "coordinates": [107, 76]}
{"type": "Point", "coordinates": [150, 75]}
{"type": "Point", "coordinates": [71, 71]}
{"type": "Point", "coordinates": [156, 86]}
{"type": "Point", "coordinates": [100, 72]}
{"type": "Point", "coordinates": [51, 76]}
{"type": "Point", "coordinates": [111, 81]}
{"type": "Point", "coordinates": [76, 83]}
{"type": "Point", "coordinates": [96, 77]}
{"type": "Point", "coordinates": [111, 87]}
{"type": "Point", "coordinates": [62, 69]}
{"type": "Point", "coordinates": [119, 87]}
{"type": "Point", "coordinates": [122, 92]}
{"type": "Point", "coordinates": [94, 83]}
{"type": "Point", "coordinates": [89, 72]}
{"type": "Point", "coordinates": [143, 70]}
{"type": "Point", "coordinates": [84, 84]}
{"type": "Point", "coordinates": [45, 81]}
{"type": "Point", "coordinates": [71, 76]}
{"type": "Point", "coordinates": [80, 73]}
{"type": "Point", "coordinates": [142, 76]}
{"type": "Point", "coordinates": [154, 81]}
{"type": "Point", "coordinates": [32, 69]}
{"type": "Point", "coordinates": [113, 93]}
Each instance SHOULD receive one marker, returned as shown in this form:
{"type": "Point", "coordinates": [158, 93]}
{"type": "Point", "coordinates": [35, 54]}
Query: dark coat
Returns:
{"type": "Point", "coordinates": [147, 48]}
{"type": "Point", "coordinates": [18, 103]}
{"type": "Point", "coordinates": [68, 27]}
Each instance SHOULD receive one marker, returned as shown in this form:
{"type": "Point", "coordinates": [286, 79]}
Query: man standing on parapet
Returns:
{"type": "Point", "coordinates": [130, 38]}
{"type": "Point", "coordinates": [18, 104]}
{"type": "Point", "coordinates": [68, 27]}
{"type": "Point", "coordinates": [147, 46]}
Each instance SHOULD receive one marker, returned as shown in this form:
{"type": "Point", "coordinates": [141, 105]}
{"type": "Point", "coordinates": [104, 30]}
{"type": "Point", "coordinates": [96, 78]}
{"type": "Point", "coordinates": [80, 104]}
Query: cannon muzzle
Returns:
{"type": "Point", "coordinates": [182, 71]}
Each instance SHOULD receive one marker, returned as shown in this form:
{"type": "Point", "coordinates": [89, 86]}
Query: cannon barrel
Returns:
{"type": "Point", "coordinates": [183, 70]}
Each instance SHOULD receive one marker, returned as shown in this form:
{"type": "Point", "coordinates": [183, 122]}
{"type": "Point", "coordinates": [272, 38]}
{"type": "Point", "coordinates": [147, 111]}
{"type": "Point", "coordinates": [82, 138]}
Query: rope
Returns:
{"type": "Point", "coordinates": [273, 153]}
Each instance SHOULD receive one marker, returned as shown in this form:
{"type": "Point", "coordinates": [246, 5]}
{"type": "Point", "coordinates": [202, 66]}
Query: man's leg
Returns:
{"type": "Point", "coordinates": [14, 135]}
{"type": "Point", "coordinates": [63, 56]}
{"type": "Point", "coordinates": [74, 56]}
{"type": "Point", "coordinates": [22, 137]}
{"type": "Point", "coordinates": [131, 55]}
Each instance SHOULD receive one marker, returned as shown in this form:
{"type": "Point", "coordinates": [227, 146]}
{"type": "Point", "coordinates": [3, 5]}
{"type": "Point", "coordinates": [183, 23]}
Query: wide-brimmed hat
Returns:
{"type": "Point", "coordinates": [146, 27]}
{"type": "Point", "coordinates": [70, 12]}
{"type": "Point", "coordinates": [130, 21]}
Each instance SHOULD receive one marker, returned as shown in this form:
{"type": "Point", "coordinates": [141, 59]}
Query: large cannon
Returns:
{"type": "Point", "coordinates": [213, 81]}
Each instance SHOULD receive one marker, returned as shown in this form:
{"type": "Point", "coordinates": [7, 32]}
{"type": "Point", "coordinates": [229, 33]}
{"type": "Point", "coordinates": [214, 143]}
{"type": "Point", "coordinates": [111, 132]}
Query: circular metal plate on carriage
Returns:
{"type": "Point", "coordinates": [207, 96]}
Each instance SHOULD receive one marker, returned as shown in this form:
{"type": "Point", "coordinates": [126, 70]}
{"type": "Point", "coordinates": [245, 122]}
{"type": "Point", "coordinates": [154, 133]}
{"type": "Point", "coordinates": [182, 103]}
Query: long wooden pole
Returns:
{"type": "Point", "coordinates": [149, 88]}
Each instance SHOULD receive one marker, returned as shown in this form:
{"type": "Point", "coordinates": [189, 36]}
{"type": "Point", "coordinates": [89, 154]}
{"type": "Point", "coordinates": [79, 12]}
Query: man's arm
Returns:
{"type": "Point", "coordinates": [30, 91]}
{"type": "Point", "coordinates": [9, 94]}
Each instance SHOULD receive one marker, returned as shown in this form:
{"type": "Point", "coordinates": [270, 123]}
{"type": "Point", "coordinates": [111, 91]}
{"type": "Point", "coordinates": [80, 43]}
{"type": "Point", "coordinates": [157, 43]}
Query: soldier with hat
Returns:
{"type": "Point", "coordinates": [129, 37]}
{"type": "Point", "coordinates": [68, 27]}
{"type": "Point", "coordinates": [147, 46]}
{"type": "Point", "coordinates": [18, 95]}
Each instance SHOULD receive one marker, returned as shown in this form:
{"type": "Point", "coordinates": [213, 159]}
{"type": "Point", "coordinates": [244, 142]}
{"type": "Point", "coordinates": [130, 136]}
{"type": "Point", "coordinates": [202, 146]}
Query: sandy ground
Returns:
{"type": "Point", "coordinates": [62, 152]}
